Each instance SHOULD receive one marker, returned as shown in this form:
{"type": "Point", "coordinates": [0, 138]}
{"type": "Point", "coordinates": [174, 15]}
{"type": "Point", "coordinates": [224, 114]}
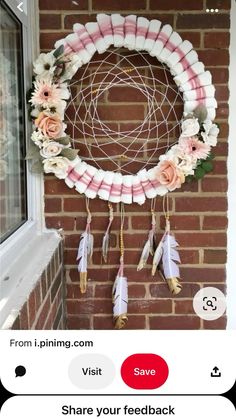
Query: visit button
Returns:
{"type": "Point", "coordinates": [144, 371]}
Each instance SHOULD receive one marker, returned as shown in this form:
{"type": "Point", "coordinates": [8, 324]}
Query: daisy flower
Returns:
{"type": "Point", "coordinates": [48, 94]}
{"type": "Point", "coordinates": [193, 148]}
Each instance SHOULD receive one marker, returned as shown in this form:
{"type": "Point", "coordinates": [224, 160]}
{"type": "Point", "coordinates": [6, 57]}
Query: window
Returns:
{"type": "Point", "coordinates": [13, 184]}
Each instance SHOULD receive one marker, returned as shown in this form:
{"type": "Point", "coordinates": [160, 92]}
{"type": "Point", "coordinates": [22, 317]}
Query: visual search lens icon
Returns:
{"type": "Point", "coordinates": [209, 303]}
{"type": "Point", "coordinates": [20, 371]}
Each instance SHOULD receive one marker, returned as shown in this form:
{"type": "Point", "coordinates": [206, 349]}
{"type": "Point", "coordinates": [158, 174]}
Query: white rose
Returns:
{"type": "Point", "coordinates": [52, 149]}
{"type": "Point", "coordinates": [190, 127]}
{"type": "Point", "coordinates": [210, 134]}
{"type": "Point", "coordinates": [57, 165]}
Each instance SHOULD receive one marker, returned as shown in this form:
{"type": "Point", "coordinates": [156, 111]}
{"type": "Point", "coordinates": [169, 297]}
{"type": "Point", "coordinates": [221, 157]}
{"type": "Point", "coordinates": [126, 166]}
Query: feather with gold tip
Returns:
{"type": "Point", "coordinates": [148, 248]}
{"type": "Point", "coordinates": [120, 301]}
{"type": "Point", "coordinates": [157, 255]}
{"type": "Point", "coordinates": [84, 256]}
{"type": "Point", "coordinates": [170, 260]}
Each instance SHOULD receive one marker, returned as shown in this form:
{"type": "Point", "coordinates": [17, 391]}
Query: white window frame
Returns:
{"type": "Point", "coordinates": [35, 220]}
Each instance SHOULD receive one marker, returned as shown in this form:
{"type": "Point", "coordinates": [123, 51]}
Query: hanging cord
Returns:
{"type": "Point", "coordinates": [122, 247]}
{"type": "Point", "coordinates": [166, 211]}
{"type": "Point", "coordinates": [89, 216]}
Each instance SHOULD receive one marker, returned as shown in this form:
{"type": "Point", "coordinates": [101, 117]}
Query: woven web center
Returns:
{"type": "Point", "coordinates": [125, 111]}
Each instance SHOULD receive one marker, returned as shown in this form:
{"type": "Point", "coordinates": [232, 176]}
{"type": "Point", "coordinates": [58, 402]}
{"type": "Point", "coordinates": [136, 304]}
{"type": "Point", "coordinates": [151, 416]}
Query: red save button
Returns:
{"type": "Point", "coordinates": [144, 371]}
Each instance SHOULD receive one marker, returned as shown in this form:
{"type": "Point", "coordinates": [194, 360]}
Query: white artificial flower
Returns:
{"type": "Point", "coordinates": [38, 138]}
{"type": "Point", "coordinates": [190, 127]}
{"type": "Point", "coordinates": [211, 133]}
{"type": "Point", "coordinates": [57, 165]}
{"type": "Point", "coordinates": [187, 165]}
{"type": "Point", "coordinates": [44, 65]}
{"type": "Point", "coordinates": [51, 149]}
{"type": "Point", "coordinates": [71, 67]}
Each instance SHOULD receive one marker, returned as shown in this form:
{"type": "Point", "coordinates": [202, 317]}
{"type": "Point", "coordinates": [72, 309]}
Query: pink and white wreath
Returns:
{"type": "Point", "coordinates": [190, 156]}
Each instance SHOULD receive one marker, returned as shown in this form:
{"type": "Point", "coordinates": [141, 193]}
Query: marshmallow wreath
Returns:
{"type": "Point", "coordinates": [77, 49]}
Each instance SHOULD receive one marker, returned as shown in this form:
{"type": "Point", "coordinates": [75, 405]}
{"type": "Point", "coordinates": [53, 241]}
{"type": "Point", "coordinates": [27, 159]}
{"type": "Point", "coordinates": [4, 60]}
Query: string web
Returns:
{"type": "Point", "coordinates": [101, 135]}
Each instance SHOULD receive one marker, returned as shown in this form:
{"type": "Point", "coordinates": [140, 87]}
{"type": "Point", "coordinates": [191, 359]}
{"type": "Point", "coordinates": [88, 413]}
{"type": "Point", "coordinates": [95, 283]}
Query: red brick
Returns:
{"type": "Point", "coordinates": [121, 112]}
{"type": "Point", "coordinates": [203, 21]}
{"type": "Point", "coordinates": [215, 256]}
{"type": "Point", "coordinates": [162, 290]}
{"type": "Point", "coordinates": [48, 39]}
{"type": "Point", "coordinates": [24, 318]}
{"type": "Point", "coordinates": [182, 222]}
{"type": "Point", "coordinates": [174, 322]}
{"type": "Point", "coordinates": [55, 186]}
{"type": "Point", "coordinates": [67, 223]}
{"type": "Point", "coordinates": [219, 324]}
{"type": "Point", "coordinates": [222, 93]}
{"type": "Point", "coordinates": [201, 239]}
{"type": "Point", "coordinates": [189, 256]}
{"type": "Point", "coordinates": [150, 306]}
{"type": "Point", "coordinates": [220, 75]}
{"type": "Point", "coordinates": [129, 94]}
{"type": "Point", "coordinates": [199, 204]}
{"type": "Point", "coordinates": [63, 5]}
{"type": "Point", "coordinates": [52, 205]}
{"type": "Point", "coordinates": [48, 21]}
{"type": "Point", "coordinates": [209, 56]}
{"type": "Point", "coordinates": [31, 308]}
{"type": "Point", "coordinates": [221, 149]}
{"type": "Point", "coordinates": [203, 274]}
{"type": "Point", "coordinates": [194, 37]}
{"type": "Point", "coordinates": [175, 5]}
{"type": "Point", "coordinates": [89, 306]}
{"type": "Point", "coordinates": [222, 113]}
{"type": "Point", "coordinates": [220, 4]}
{"type": "Point", "coordinates": [106, 322]}
{"type": "Point", "coordinates": [73, 291]}
{"type": "Point", "coordinates": [214, 184]}
{"type": "Point", "coordinates": [220, 167]}
{"type": "Point", "coordinates": [43, 315]}
{"type": "Point", "coordinates": [215, 222]}
{"type": "Point", "coordinates": [107, 5]}
{"type": "Point", "coordinates": [78, 322]}
{"type": "Point", "coordinates": [216, 40]}
{"type": "Point", "coordinates": [70, 20]}
{"type": "Point", "coordinates": [184, 307]}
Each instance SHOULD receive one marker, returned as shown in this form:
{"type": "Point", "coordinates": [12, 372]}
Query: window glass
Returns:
{"type": "Point", "coordinates": [13, 198]}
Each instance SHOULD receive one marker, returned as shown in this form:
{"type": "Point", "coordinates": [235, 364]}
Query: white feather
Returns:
{"type": "Point", "coordinates": [120, 296]}
{"type": "Point", "coordinates": [105, 245]}
{"type": "Point", "coordinates": [157, 256]}
{"type": "Point", "coordinates": [82, 255]}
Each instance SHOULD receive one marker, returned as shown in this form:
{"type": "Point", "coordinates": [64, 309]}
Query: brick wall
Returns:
{"type": "Point", "coordinates": [198, 211]}
{"type": "Point", "coordinates": [44, 308]}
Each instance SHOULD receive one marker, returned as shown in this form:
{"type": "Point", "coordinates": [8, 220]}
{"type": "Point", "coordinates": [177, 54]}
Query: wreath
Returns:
{"type": "Point", "coordinates": [188, 158]}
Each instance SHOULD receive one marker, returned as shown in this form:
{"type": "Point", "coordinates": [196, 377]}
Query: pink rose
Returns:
{"type": "Point", "coordinates": [51, 126]}
{"type": "Point", "coordinates": [169, 175]}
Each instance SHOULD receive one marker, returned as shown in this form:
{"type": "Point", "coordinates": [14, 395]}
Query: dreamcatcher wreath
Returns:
{"type": "Point", "coordinates": [189, 157]}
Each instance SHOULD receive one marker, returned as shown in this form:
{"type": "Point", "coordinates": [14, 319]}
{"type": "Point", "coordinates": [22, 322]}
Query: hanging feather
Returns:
{"type": "Point", "coordinates": [106, 237]}
{"type": "Point", "coordinates": [85, 253]}
{"type": "Point", "coordinates": [170, 258]}
{"type": "Point", "coordinates": [157, 255]}
{"type": "Point", "coordinates": [120, 301]}
{"type": "Point", "coordinates": [148, 248]}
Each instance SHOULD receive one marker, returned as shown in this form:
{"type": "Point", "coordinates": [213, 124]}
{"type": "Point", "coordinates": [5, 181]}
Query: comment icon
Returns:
{"type": "Point", "coordinates": [20, 371]}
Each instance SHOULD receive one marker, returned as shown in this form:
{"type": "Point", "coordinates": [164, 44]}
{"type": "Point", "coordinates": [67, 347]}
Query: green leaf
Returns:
{"type": "Point", "coordinates": [207, 166]}
{"type": "Point", "coordinates": [63, 140]}
{"type": "Point", "coordinates": [37, 167]}
{"type": "Point", "coordinates": [199, 173]}
{"type": "Point", "coordinates": [69, 153]}
{"type": "Point", "coordinates": [210, 157]}
{"type": "Point", "coordinates": [59, 51]}
{"type": "Point", "coordinates": [32, 153]}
